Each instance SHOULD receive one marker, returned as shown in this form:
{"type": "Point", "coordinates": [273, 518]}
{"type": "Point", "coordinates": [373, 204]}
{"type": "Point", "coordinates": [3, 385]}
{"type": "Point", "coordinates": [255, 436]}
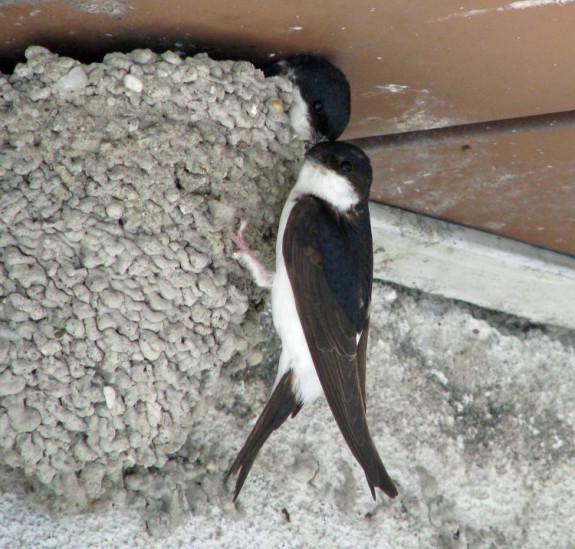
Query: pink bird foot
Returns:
{"type": "Point", "coordinates": [244, 254]}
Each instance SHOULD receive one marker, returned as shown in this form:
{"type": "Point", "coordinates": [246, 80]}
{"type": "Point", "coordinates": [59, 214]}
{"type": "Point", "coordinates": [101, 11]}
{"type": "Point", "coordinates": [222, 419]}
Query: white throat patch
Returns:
{"type": "Point", "coordinates": [318, 181]}
{"type": "Point", "coordinates": [299, 117]}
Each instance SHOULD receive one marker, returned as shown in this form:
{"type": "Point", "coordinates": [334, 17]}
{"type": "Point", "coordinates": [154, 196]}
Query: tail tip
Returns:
{"type": "Point", "coordinates": [387, 486]}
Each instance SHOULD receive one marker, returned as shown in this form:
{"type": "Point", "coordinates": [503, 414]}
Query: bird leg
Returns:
{"type": "Point", "coordinates": [245, 255]}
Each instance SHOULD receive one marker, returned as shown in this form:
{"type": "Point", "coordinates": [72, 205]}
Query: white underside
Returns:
{"type": "Point", "coordinates": [315, 180]}
{"type": "Point", "coordinates": [295, 352]}
{"type": "Point", "coordinates": [299, 117]}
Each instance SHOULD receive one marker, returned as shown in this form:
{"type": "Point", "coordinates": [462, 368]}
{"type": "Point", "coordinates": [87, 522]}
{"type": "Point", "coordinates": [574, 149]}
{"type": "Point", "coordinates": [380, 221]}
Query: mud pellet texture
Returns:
{"type": "Point", "coordinates": [119, 302]}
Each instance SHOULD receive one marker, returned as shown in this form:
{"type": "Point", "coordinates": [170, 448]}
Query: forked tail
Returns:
{"type": "Point", "coordinates": [279, 407]}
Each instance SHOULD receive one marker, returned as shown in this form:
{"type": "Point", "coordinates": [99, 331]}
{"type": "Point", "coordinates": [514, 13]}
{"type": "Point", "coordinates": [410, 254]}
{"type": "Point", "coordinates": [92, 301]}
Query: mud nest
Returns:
{"type": "Point", "coordinates": [119, 304]}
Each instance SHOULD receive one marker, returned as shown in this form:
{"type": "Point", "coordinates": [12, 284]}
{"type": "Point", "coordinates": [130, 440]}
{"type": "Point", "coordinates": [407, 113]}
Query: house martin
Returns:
{"type": "Point", "coordinates": [321, 97]}
{"type": "Point", "coordinates": [321, 292]}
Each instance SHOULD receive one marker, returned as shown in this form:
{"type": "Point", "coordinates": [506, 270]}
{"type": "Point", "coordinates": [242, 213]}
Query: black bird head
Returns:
{"type": "Point", "coordinates": [347, 161]}
{"type": "Point", "coordinates": [323, 107]}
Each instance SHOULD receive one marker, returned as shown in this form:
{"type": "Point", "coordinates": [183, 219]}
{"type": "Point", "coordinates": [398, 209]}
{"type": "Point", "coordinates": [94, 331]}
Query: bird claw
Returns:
{"type": "Point", "coordinates": [239, 241]}
{"type": "Point", "coordinates": [262, 277]}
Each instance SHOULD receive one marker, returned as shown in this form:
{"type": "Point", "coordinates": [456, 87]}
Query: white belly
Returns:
{"type": "Point", "coordinates": [295, 352]}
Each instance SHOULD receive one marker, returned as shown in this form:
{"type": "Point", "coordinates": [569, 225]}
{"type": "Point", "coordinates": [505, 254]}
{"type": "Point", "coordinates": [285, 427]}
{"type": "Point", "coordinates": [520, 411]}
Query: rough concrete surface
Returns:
{"type": "Point", "coordinates": [130, 352]}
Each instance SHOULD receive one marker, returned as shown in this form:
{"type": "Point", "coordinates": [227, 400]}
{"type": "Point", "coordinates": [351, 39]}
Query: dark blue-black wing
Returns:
{"type": "Point", "coordinates": [330, 266]}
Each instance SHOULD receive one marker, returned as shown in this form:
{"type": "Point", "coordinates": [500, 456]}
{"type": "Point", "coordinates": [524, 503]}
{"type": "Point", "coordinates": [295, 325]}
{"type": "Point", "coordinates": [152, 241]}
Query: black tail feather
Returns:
{"type": "Point", "coordinates": [382, 480]}
{"type": "Point", "coordinates": [353, 427]}
{"type": "Point", "coordinates": [281, 404]}
{"type": "Point", "coordinates": [367, 456]}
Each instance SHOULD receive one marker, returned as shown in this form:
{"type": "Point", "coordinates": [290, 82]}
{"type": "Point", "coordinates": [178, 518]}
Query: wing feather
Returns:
{"type": "Point", "coordinates": [331, 280]}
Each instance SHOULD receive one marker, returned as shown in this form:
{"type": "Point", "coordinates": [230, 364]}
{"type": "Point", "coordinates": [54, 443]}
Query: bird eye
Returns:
{"type": "Point", "coordinates": [346, 166]}
{"type": "Point", "coordinates": [318, 105]}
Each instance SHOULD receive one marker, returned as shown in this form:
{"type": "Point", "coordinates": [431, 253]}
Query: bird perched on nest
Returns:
{"type": "Point", "coordinates": [321, 98]}
{"type": "Point", "coordinates": [321, 292]}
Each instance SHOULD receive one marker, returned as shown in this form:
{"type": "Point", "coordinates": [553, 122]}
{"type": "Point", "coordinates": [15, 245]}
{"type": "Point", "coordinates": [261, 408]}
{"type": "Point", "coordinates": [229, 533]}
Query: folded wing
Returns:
{"type": "Point", "coordinates": [329, 262]}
